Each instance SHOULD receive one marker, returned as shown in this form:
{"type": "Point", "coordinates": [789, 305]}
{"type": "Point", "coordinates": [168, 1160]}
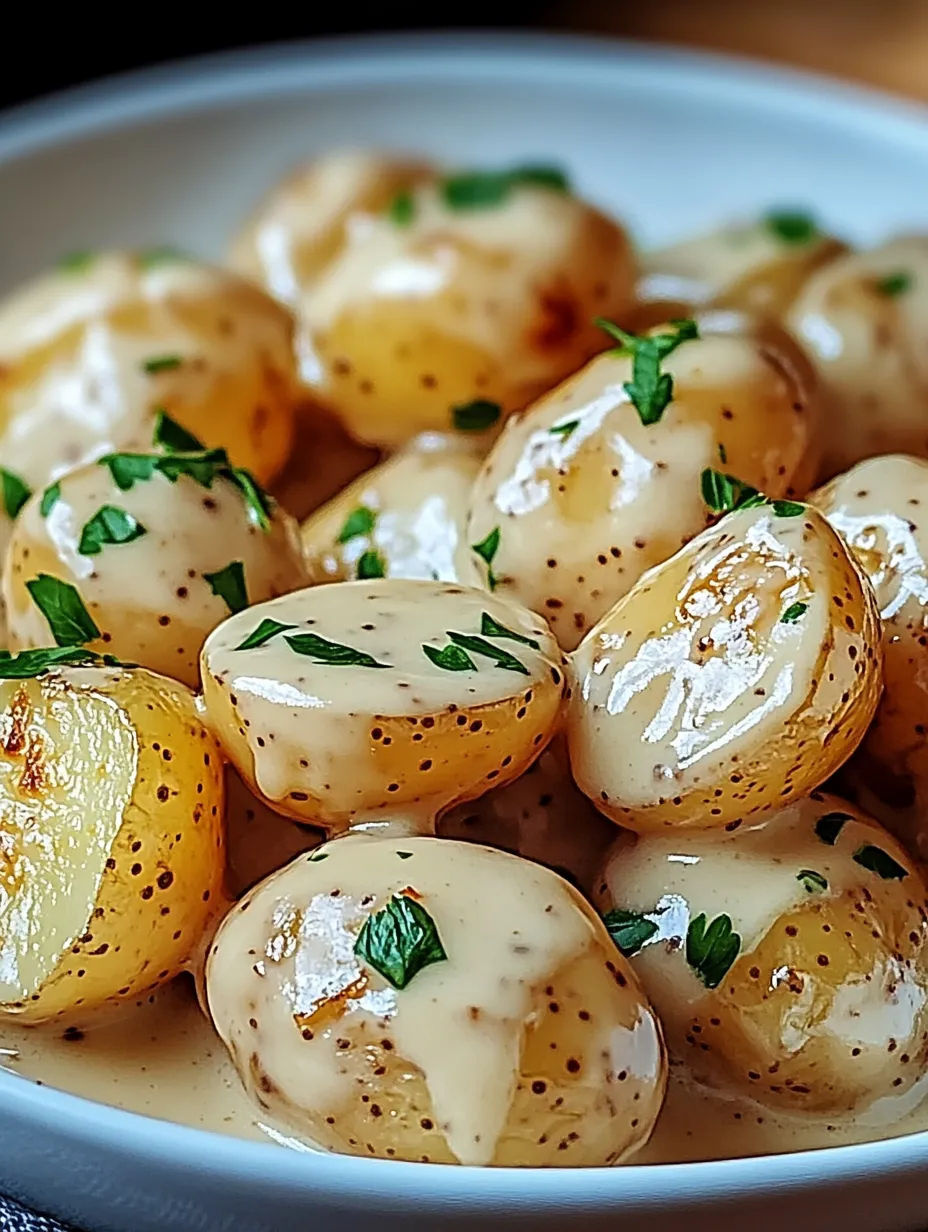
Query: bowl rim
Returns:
{"type": "Point", "coordinates": [214, 81]}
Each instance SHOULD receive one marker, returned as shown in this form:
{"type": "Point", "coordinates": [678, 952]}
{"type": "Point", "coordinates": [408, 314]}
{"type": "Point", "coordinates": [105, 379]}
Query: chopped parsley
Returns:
{"type": "Point", "coordinates": [399, 941]}
{"type": "Point", "coordinates": [486, 549]}
{"type": "Point", "coordinates": [359, 522]}
{"type": "Point", "coordinates": [492, 628]}
{"type": "Point", "coordinates": [172, 436]}
{"type": "Point", "coordinates": [878, 861]}
{"type": "Point", "coordinates": [109, 525]}
{"type": "Point", "coordinates": [332, 653]}
{"type": "Point", "coordinates": [564, 430]}
{"type": "Point", "coordinates": [812, 882]}
{"type": "Point", "coordinates": [318, 856]}
{"type": "Point", "coordinates": [161, 363]}
{"type": "Point", "coordinates": [711, 949]}
{"type": "Point", "coordinates": [128, 469]}
{"type": "Point", "coordinates": [480, 646]}
{"type": "Point", "coordinates": [31, 663]}
{"type": "Point", "coordinates": [75, 262]}
{"type": "Point", "coordinates": [450, 658]}
{"type": "Point", "coordinates": [649, 390]}
{"type": "Point", "coordinates": [792, 226]}
{"type": "Point", "coordinates": [793, 613]}
{"type": "Point", "coordinates": [50, 498]}
{"type": "Point", "coordinates": [895, 284]}
{"type": "Point", "coordinates": [15, 492]}
{"type": "Point", "coordinates": [402, 209]}
{"type": "Point", "coordinates": [149, 258]}
{"type": "Point", "coordinates": [787, 508]}
{"type": "Point", "coordinates": [830, 825]}
{"type": "Point", "coordinates": [62, 606]}
{"type": "Point", "coordinates": [630, 930]}
{"type": "Point", "coordinates": [228, 584]}
{"type": "Point", "coordinates": [371, 565]}
{"type": "Point", "coordinates": [263, 633]}
{"type": "Point", "coordinates": [475, 416]}
{"type": "Point", "coordinates": [723, 456]}
{"type": "Point", "coordinates": [479, 190]}
{"type": "Point", "coordinates": [724, 493]}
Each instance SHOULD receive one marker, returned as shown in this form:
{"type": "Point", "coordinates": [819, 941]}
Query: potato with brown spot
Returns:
{"type": "Point", "coordinates": [513, 1034]}
{"type": "Point", "coordinates": [112, 839]}
{"type": "Point", "coordinates": [416, 289]}
{"type": "Point", "coordinates": [90, 350]}
{"type": "Point", "coordinates": [585, 496]}
{"type": "Point", "coordinates": [390, 698]}
{"type": "Point", "coordinates": [404, 518]}
{"type": "Point", "coordinates": [787, 960]}
{"type": "Point", "coordinates": [156, 565]}
{"type": "Point", "coordinates": [737, 676]}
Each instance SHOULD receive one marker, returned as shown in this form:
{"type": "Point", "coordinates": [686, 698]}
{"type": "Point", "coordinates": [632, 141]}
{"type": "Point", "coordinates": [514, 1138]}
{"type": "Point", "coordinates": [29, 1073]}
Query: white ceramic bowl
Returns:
{"type": "Point", "coordinates": [670, 141]}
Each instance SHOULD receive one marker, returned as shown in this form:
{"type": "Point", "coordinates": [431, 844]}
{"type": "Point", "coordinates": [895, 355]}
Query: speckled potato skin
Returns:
{"type": "Point", "coordinates": [696, 704]}
{"type": "Point", "coordinates": [744, 266]}
{"type": "Point", "coordinates": [419, 498]}
{"type": "Point", "coordinates": [879, 508]}
{"type": "Point", "coordinates": [583, 1092]}
{"type": "Point", "coordinates": [583, 515]}
{"type": "Point", "coordinates": [150, 597]}
{"type": "Point", "coordinates": [870, 350]}
{"type": "Point", "coordinates": [400, 321]}
{"type": "Point", "coordinates": [75, 342]}
{"type": "Point", "coordinates": [825, 1008]}
{"type": "Point", "coordinates": [347, 759]}
{"type": "Point", "coordinates": [162, 878]}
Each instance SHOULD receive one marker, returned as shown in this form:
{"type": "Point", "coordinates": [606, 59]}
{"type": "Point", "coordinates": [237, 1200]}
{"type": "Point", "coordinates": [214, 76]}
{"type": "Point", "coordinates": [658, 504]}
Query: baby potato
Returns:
{"type": "Point", "coordinates": [863, 320]}
{"type": "Point", "coordinates": [758, 267]}
{"type": "Point", "coordinates": [582, 496]}
{"type": "Point", "coordinates": [352, 703]}
{"type": "Point", "coordinates": [157, 566]}
{"type": "Point", "coordinates": [788, 961]}
{"type": "Point", "coordinates": [504, 1028]}
{"type": "Point", "coordinates": [415, 290]}
{"type": "Point", "coordinates": [541, 816]}
{"type": "Point", "coordinates": [111, 802]}
{"type": "Point", "coordinates": [733, 678]}
{"type": "Point", "coordinates": [877, 508]}
{"type": "Point", "coordinates": [404, 518]}
{"type": "Point", "coordinates": [258, 840]}
{"type": "Point", "coordinates": [88, 351]}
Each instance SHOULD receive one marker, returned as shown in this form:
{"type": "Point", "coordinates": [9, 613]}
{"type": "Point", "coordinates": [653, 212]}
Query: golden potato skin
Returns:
{"type": "Point", "coordinates": [863, 321]}
{"type": "Point", "coordinates": [337, 744]}
{"type": "Point", "coordinates": [529, 1045]}
{"type": "Point", "coordinates": [737, 676]}
{"type": "Point", "coordinates": [582, 513]}
{"type": "Point", "coordinates": [878, 508]}
{"type": "Point", "coordinates": [824, 1008]}
{"type": "Point", "coordinates": [399, 319]}
{"type": "Point", "coordinates": [161, 875]}
{"type": "Point", "coordinates": [151, 598]}
{"type": "Point", "coordinates": [90, 350]}
{"type": "Point", "coordinates": [417, 501]}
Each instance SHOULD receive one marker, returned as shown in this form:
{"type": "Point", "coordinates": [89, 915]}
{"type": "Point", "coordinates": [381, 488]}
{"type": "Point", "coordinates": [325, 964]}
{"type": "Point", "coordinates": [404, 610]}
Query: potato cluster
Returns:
{"type": "Point", "coordinates": [477, 770]}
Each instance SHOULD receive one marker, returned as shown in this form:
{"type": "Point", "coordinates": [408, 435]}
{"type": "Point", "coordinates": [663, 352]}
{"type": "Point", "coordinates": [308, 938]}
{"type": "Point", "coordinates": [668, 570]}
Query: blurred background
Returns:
{"type": "Point", "coordinates": [881, 42]}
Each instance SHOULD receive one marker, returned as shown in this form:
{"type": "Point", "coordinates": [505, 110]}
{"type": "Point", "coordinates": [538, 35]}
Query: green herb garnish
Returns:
{"type": "Point", "coordinates": [74, 262]}
{"type": "Point", "coordinates": [109, 525]}
{"type": "Point", "coordinates": [263, 633]}
{"type": "Point", "coordinates": [148, 258]}
{"type": "Point", "coordinates": [711, 950]}
{"type": "Point", "coordinates": [173, 437]}
{"type": "Point", "coordinates": [895, 284]}
{"type": "Point", "coordinates": [486, 549]}
{"type": "Point", "coordinates": [31, 663]}
{"type": "Point", "coordinates": [793, 612]}
{"type": "Point", "coordinates": [128, 469]}
{"type": "Point", "coordinates": [318, 857]}
{"type": "Point", "coordinates": [830, 825]}
{"type": "Point", "coordinates": [475, 416]}
{"type": "Point", "coordinates": [812, 882]}
{"type": "Point", "coordinates": [15, 492]}
{"type": "Point", "coordinates": [402, 209]}
{"type": "Point", "coordinates": [62, 606]}
{"type": "Point", "coordinates": [50, 498]}
{"type": "Point", "coordinates": [161, 363]}
{"type": "Point", "coordinates": [724, 493]}
{"type": "Point", "coordinates": [878, 861]}
{"type": "Point", "coordinates": [332, 653]}
{"type": "Point", "coordinates": [478, 190]}
{"type": "Point", "coordinates": [723, 456]}
{"type": "Point", "coordinates": [630, 930]}
{"type": "Point", "coordinates": [258, 505]}
{"type": "Point", "coordinates": [492, 628]}
{"type": "Point", "coordinates": [450, 658]}
{"type": "Point", "coordinates": [359, 522]}
{"type": "Point", "coordinates": [787, 509]}
{"type": "Point", "coordinates": [792, 226]}
{"type": "Point", "coordinates": [404, 855]}
{"type": "Point", "coordinates": [564, 430]}
{"type": "Point", "coordinates": [229, 585]}
{"type": "Point", "coordinates": [371, 565]}
{"type": "Point", "coordinates": [480, 646]}
{"type": "Point", "coordinates": [650, 390]}
{"type": "Point", "coordinates": [399, 941]}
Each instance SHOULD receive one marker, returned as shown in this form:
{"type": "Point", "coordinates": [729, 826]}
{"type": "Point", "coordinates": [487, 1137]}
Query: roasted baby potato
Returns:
{"type": "Point", "coordinates": [541, 816]}
{"type": "Point", "coordinates": [499, 1025]}
{"type": "Point", "coordinates": [863, 320]}
{"type": "Point", "coordinates": [111, 802]}
{"type": "Point", "coordinates": [588, 489]}
{"type": "Point", "coordinates": [733, 678]}
{"type": "Point", "coordinates": [416, 290]}
{"type": "Point", "coordinates": [787, 961]}
{"type": "Point", "coordinates": [352, 703]}
{"type": "Point", "coordinates": [405, 518]}
{"type": "Point", "coordinates": [757, 267]}
{"type": "Point", "coordinates": [157, 564]}
{"type": "Point", "coordinates": [258, 840]}
{"type": "Point", "coordinates": [90, 350]}
{"type": "Point", "coordinates": [879, 510]}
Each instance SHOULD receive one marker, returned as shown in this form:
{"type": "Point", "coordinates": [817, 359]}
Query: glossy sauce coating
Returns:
{"type": "Point", "coordinates": [822, 1007]}
{"type": "Point", "coordinates": [417, 502]}
{"type": "Point", "coordinates": [399, 319]}
{"type": "Point", "coordinates": [586, 497]}
{"type": "Point", "coordinates": [333, 744]}
{"type": "Point", "coordinates": [734, 677]}
{"type": "Point", "coordinates": [87, 353]}
{"type": "Point", "coordinates": [530, 1044]}
{"type": "Point", "coordinates": [879, 509]}
{"type": "Point", "coordinates": [864, 321]}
